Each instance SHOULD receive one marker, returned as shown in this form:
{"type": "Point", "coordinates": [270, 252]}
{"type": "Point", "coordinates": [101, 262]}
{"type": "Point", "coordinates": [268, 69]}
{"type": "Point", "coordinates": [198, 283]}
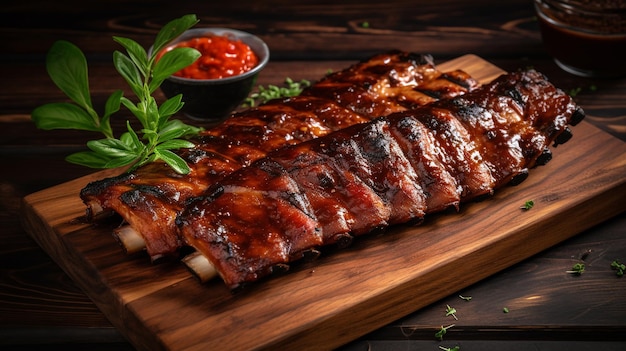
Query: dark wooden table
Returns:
{"type": "Point", "coordinates": [41, 307]}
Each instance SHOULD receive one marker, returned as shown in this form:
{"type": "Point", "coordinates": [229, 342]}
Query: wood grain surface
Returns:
{"type": "Point", "coordinates": [343, 294]}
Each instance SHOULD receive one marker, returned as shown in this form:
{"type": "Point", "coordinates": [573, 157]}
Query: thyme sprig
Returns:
{"type": "Point", "coordinates": [67, 67]}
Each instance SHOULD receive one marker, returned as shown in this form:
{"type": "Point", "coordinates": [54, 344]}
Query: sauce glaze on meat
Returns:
{"type": "Point", "coordinates": [393, 169]}
{"type": "Point", "coordinates": [149, 198]}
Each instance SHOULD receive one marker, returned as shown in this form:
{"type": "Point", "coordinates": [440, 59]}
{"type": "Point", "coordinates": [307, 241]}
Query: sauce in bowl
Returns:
{"type": "Point", "coordinates": [585, 37]}
{"type": "Point", "coordinates": [221, 57]}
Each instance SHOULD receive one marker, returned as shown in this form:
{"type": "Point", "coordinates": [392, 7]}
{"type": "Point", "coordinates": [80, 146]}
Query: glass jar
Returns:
{"type": "Point", "coordinates": [585, 37]}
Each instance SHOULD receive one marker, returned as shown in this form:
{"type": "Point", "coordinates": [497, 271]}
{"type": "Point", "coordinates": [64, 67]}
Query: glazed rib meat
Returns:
{"type": "Point", "coordinates": [393, 169]}
{"type": "Point", "coordinates": [149, 198]}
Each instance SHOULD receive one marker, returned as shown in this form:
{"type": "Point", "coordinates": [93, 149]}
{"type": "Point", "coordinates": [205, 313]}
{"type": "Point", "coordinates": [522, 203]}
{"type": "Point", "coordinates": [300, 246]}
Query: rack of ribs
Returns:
{"type": "Point", "coordinates": [149, 198]}
{"type": "Point", "coordinates": [394, 169]}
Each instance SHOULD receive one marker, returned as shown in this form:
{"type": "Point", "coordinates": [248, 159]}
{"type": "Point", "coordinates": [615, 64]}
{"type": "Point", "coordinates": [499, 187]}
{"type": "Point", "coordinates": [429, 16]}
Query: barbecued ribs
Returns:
{"type": "Point", "coordinates": [150, 198]}
{"type": "Point", "coordinates": [393, 169]}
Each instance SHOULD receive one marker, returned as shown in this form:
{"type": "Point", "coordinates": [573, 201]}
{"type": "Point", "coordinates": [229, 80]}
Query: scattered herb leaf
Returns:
{"type": "Point", "coordinates": [456, 348]}
{"type": "Point", "coordinates": [618, 267]}
{"type": "Point", "coordinates": [290, 88]}
{"type": "Point", "coordinates": [578, 269]}
{"type": "Point", "coordinates": [365, 24]}
{"type": "Point", "coordinates": [528, 205]}
{"type": "Point", "coordinates": [466, 298]}
{"type": "Point", "coordinates": [451, 311]}
{"type": "Point", "coordinates": [67, 67]}
{"type": "Point", "coordinates": [439, 334]}
{"type": "Point", "coordinates": [505, 310]}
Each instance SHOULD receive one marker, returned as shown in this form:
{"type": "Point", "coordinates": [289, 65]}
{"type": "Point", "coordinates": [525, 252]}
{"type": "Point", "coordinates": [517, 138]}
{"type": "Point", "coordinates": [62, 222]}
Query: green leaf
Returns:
{"type": "Point", "coordinates": [172, 62]}
{"type": "Point", "coordinates": [130, 72]}
{"type": "Point", "coordinates": [134, 138]}
{"type": "Point", "coordinates": [136, 52]}
{"type": "Point", "coordinates": [121, 161]}
{"type": "Point", "coordinates": [88, 159]}
{"type": "Point", "coordinates": [176, 129]}
{"type": "Point", "coordinates": [152, 114]}
{"type": "Point", "coordinates": [67, 67]}
{"type": "Point", "coordinates": [172, 30]}
{"type": "Point", "coordinates": [134, 110]}
{"type": "Point", "coordinates": [170, 107]}
{"type": "Point", "coordinates": [61, 115]}
{"type": "Point", "coordinates": [175, 144]}
{"type": "Point", "coordinates": [110, 148]}
{"type": "Point", "coordinates": [173, 160]}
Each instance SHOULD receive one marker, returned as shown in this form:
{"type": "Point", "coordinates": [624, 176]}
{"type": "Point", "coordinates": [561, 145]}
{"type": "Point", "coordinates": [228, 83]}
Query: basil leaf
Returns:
{"type": "Point", "coordinates": [135, 139]}
{"type": "Point", "coordinates": [175, 144]}
{"type": "Point", "coordinates": [62, 115]}
{"type": "Point", "coordinates": [176, 129]}
{"type": "Point", "coordinates": [176, 162]}
{"type": "Point", "coordinates": [88, 159]}
{"type": "Point", "coordinates": [134, 110]}
{"type": "Point", "coordinates": [67, 67]}
{"type": "Point", "coordinates": [136, 52]}
{"type": "Point", "coordinates": [170, 107]}
{"type": "Point", "coordinates": [172, 30]}
{"type": "Point", "coordinates": [129, 71]}
{"type": "Point", "coordinates": [110, 147]}
{"type": "Point", "coordinates": [120, 161]}
{"type": "Point", "coordinates": [172, 62]}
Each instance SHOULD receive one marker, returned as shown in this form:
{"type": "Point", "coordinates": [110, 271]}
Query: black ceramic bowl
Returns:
{"type": "Point", "coordinates": [212, 100]}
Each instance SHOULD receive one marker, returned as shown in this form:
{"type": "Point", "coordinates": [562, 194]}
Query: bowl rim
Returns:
{"type": "Point", "coordinates": [246, 37]}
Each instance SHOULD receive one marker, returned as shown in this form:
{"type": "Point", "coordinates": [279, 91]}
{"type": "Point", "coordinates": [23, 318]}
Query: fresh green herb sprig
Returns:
{"type": "Point", "coordinates": [451, 311]}
{"type": "Point", "coordinates": [466, 298]}
{"type": "Point", "coordinates": [528, 205]}
{"type": "Point", "coordinates": [578, 269]}
{"type": "Point", "coordinates": [618, 267]}
{"type": "Point", "coordinates": [263, 95]}
{"type": "Point", "coordinates": [442, 331]}
{"type": "Point", "coordinates": [158, 136]}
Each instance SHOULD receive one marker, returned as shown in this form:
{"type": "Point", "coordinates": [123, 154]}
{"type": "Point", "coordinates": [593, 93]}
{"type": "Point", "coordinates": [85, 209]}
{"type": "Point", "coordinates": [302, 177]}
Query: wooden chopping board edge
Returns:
{"type": "Point", "coordinates": [337, 300]}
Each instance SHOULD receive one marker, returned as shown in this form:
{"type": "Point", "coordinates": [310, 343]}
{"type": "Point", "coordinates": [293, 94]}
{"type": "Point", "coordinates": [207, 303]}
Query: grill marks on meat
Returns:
{"type": "Point", "coordinates": [150, 197]}
{"type": "Point", "coordinates": [391, 170]}
{"type": "Point", "coordinates": [379, 88]}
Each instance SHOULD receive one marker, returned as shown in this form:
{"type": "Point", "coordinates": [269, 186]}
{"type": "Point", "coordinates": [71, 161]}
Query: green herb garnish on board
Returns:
{"type": "Point", "coordinates": [158, 136]}
{"type": "Point", "coordinates": [442, 331]}
{"type": "Point", "coordinates": [618, 267]}
{"type": "Point", "coordinates": [451, 311]}
{"type": "Point", "coordinates": [528, 205]}
{"type": "Point", "coordinates": [578, 269]}
{"type": "Point", "coordinates": [262, 95]}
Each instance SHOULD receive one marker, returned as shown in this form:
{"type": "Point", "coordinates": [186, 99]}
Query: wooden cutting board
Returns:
{"type": "Point", "coordinates": [343, 294]}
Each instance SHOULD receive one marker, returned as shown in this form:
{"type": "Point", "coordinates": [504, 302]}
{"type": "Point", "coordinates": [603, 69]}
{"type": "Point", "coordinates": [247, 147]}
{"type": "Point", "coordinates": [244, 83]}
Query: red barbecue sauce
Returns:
{"type": "Point", "coordinates": [221, 57]}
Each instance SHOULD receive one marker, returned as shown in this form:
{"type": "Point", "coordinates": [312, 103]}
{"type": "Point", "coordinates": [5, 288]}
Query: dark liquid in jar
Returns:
{"type": "Point", "coordinates": [587, 51]}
